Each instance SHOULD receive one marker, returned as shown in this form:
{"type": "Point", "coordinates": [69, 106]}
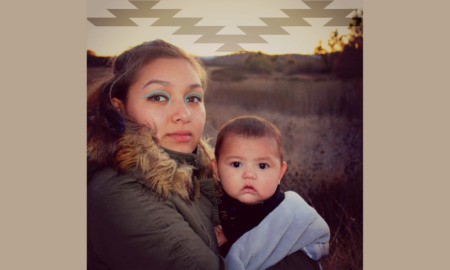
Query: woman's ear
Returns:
{"type": "Point", "coordinates": [118, 104]}
{"type": "Point", "coordinates": [214, 167]}
{"type": "Point", "coordinates": [282, 170]}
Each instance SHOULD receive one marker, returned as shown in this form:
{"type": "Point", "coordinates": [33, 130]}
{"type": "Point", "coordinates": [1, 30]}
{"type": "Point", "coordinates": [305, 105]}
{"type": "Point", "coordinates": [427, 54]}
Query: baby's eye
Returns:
{"type": "Point", "coordinates": [263, 166]}
{"type": "Point", "coordinates": [236, 164]}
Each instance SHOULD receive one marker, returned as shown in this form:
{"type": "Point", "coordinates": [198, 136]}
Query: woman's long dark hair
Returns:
{"type": "Point", "coordinates": [104, 123]}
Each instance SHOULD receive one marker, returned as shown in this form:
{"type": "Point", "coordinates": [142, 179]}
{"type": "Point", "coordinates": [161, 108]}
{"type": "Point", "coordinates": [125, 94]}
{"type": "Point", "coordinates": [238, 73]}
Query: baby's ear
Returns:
{"type": "Point", "coordinates": [282, 170]}
{"type": "Point", "coordinates": [214, 167]}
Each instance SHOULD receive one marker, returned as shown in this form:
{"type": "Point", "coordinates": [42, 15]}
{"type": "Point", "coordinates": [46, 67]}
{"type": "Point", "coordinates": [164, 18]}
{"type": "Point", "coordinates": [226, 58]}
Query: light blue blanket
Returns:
{"type": "Point", "coordinates": [292, 226]}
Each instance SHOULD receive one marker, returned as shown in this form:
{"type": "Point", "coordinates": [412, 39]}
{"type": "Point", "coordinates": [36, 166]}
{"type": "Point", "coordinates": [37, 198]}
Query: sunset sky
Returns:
{"type": "Point", "coordinates": [225, 16]}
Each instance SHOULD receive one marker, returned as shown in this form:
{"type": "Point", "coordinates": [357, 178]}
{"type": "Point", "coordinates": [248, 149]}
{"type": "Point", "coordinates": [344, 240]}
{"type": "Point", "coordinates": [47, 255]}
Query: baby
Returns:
{"type": "Point", "coordinates": [261, 225]}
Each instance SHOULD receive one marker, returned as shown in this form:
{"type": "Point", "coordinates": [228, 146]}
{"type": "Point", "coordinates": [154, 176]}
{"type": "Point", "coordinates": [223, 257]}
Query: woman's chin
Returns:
{"type": "Point", "coordinates": [180, 147]}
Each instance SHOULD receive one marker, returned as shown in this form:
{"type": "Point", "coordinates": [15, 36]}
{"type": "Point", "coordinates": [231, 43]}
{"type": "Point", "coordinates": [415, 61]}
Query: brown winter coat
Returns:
{"type": "Point", "coordinates": [153, 209]}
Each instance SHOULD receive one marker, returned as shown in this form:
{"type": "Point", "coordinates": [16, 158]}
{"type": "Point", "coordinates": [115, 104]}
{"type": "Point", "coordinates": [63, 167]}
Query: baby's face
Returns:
{"type": "Point", "coordinates": [249, 169]}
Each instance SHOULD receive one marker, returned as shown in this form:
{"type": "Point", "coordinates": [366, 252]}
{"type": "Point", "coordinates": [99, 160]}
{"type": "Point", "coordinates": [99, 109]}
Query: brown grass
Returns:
{"type": "Point", "coordinates": [297, 96]}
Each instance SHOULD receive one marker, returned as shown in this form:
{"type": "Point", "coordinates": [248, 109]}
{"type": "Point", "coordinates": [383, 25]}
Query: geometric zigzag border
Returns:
{"type": "Point", "coordinates": [187, 26]}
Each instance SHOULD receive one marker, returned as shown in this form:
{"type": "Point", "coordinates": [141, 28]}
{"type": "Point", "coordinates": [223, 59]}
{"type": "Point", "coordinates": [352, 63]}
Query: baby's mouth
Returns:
{"type": "Point", "coordinates": [248, 189]}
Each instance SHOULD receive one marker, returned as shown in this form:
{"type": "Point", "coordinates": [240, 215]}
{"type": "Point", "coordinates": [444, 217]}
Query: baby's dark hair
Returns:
{"type": "Point", "coordinates": [249, 126]}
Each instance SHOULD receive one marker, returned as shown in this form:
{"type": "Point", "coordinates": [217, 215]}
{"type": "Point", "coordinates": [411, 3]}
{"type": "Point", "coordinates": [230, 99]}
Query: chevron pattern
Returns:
{"type": "Point", "coordinates": [274, 26]}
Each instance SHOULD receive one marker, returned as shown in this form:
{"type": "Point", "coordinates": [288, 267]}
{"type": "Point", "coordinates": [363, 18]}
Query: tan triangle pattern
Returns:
{"type": "Point", "coordinates": [274, 26]}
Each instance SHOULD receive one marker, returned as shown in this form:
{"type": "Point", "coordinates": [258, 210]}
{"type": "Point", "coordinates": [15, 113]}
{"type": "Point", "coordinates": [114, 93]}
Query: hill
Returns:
{"type": "Point", "coordinates": [237, 58]}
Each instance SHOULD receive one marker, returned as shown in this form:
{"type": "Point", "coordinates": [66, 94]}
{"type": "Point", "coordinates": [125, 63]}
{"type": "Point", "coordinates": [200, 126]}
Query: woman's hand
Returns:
{"type": "Point", "coordinates": [221, 239]}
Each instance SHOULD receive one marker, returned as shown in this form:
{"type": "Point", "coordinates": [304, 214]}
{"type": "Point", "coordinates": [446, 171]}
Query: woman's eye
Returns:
{"type": "Point", "coordinates": [158, 98]}
{"type": "Point", "coordinates": [194, 99]}
{"type": "Point", "coordinates": [236, 164]}
{"type": "Point", "coordinates": [263, 166]}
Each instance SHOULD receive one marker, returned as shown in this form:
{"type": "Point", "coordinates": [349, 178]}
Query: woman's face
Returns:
{"type": "Point", "coordinates": [168, 97]}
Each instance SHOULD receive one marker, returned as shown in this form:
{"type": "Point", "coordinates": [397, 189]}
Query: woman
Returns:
{"type": "Point", "coordinates": [151, 195]}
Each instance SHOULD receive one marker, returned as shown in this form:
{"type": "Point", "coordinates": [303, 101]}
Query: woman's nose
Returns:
{"type": "Point", "coordinates": [181, 112]}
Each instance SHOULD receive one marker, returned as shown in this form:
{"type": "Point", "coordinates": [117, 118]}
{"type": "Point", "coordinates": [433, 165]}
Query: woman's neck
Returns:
{"type": "Point", "coordinates": [185, 158]}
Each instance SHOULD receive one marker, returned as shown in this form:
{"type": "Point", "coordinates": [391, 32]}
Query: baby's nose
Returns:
{"type": "Point", "coordinates": [249, 174]}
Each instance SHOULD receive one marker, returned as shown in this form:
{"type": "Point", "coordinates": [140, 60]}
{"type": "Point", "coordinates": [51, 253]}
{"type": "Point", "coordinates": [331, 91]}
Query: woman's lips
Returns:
{"type": "Point", "coordinates": [182, 136]}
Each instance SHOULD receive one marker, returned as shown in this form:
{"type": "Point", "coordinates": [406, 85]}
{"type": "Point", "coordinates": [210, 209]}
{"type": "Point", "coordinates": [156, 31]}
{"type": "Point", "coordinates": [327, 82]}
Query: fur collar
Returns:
{"type": "Point", "coordinates": [165, 172]}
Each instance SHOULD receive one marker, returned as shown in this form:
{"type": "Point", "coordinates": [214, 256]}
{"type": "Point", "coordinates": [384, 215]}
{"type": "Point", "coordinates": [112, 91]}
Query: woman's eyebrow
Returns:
{"type": "Point", "coordinates": [161, 82]}
{"type": "Point", "coordinates": [195, 85]}
{"type": "Point", "coordinates": [157, 82]}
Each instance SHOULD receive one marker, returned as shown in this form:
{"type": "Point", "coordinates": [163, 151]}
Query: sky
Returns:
{"type": "Point", "coordinates": [216, 27]}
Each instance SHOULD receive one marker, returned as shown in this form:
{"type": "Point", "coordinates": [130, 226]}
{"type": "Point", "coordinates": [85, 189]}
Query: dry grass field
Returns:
{"type": "Point", "coordinates": [320, 119]}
